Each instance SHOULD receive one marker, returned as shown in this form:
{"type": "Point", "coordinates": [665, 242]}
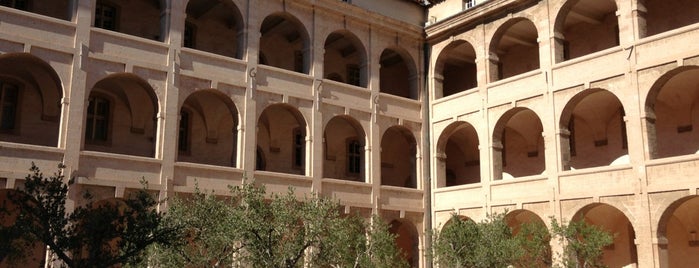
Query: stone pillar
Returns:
{"type": "Point", "coordinates": [638, 16]}
{"type": "Point", "coordinates": [493, 67]}
{"type": "Point", "coordinates": [558, 44]}
{"type": "Point", "coordinates": [496, 169]}
{"type": "Point", "coordinates": [248, 144]}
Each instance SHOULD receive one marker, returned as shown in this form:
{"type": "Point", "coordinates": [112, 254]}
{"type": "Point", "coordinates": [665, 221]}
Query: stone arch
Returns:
{"type": "Point", "coordinates": [346, 57]}
{"type": "Point", "coordinates": [279, 128]}
{"type": "Point", "coordinates": [655, 18]}
{"type": "Point", "coordinates": [514, 49]}
{"type": "Point", "coordinates": [285, 43]}
{"type": "Point", "coordinates": [455, 69]}
{"type": "Point", "coordinates": [215, 26]}
{"type": "Point", "coordinates": [398, 158]}
{"type": "Point", "coordinates": [593, 130]}
{"type": "Point", "coordinates": [579, 20]}
{"type": "Point", "coordinates": [208, 129]}
{"type": "Point", "coordinates": [672, 112]}
{"type": "Point", "coordinates": [517, 217]}
{"type": "Point", "coordinates": [344, 154]}
{"type": "Point", "coordinates": [127, 123]}
{"type": "Point", "coordinates": [407, 240]}
{"type": "Point", "coordinates": [35, 253]}
{"type": "Point", "coordinates": [518, 146]}
{"type": "Point", "coordinates": [398, 73]}
{"type": "Point", "coordinates": [458, 155]}
{"type": "Point", "coordinates": [31, 100]}
{"type": "Point", "coordinates": [623, 250]}
{"type": "Point", "coordinates": [678, 244]}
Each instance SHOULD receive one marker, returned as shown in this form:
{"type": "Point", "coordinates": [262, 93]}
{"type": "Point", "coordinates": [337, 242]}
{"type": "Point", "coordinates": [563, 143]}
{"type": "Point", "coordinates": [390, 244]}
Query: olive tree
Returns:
{"type": "Point", "coordinates": [97, 234]}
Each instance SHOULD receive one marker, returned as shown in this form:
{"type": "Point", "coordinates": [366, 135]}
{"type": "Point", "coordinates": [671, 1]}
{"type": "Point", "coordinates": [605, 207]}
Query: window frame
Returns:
{"type": "Point", "coordinates": [17, 105]}
{"type": "Point", "coordinates": [191, 29]}
{"type": "Point", "coordinates": [108, 118]}
{"type": "Point", "coordinates": [187, 131]}
{"type": "Point", "coordinates": [27, 5]}
{"type": "Point", "coordinates": [468, 4]}
{"type": "Point", "coordinates": [353, 157]}
{"type": "Point", "coordinates": [117, 13]}
{"type": "Point", "coordinates": [354, 75]}
{"type": "Point", "coordinates": [298, 148]}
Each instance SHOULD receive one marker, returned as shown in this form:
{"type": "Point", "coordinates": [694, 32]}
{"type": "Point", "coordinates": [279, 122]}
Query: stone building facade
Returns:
{"type": "Point", "coordinates": [410, 109]}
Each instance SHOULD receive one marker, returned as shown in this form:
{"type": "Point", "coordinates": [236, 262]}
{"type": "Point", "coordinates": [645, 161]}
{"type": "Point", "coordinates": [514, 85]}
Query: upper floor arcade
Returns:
{"type": "Point", "coordinates": [332, 43]}
{"type": "Point", "coordinates": [527, 37]}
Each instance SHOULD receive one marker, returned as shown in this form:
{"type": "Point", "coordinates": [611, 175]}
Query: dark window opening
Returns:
{"type": "Point", "coordinates": [354, 157]}
{"type": "Point", "coordinates": [298, 61]}
{"type": "Point", "coordinates": [189, 34]}
{"type": "Point", "coordinates": [183, 137]}
{"type": "Point", "coordinates": [299, 144]}
{"type": "Point", "coordinates": [96, 128]}
{"type": "Point", "coordinates": [571, 138]}
{"type": "Point", "coordinates": [8, 106]}
{"type": "Point", "coordinates": [624, 140]}
{"type": "Point", "coordinates": [353, 75]}
{"type": "Point", "coordinates": [16, 4]}
{"type": "Point", "coordinates": [105, 16]}
{"type": "Point", "coordinates": [259, 159]}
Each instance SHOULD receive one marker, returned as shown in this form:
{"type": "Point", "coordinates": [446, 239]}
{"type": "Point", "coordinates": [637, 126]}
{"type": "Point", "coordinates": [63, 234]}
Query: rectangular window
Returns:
{"type": "Point", "coordinates": [189, 33]}
{"type": "Point", "coordinates": [97, 125]}
{"type": "Point", "coordinates": [8, 106]}
{"type": "Point", "coordinates": [354, 157]}
{"type": "Point", "coordinates": [298, 61]}
{"type": "Point", "coordinates": [105, 16]}
{"type": "Point", "coordinates": [571, 138]}
{"type": "Point", "coordinates": [183, 138]}
{"type": "Point", "coordinates": [624, 140]}
{"type": "Point", "coordinates": [299, 144]}
{"type": "Point", "coordinates": [353, 75]}
{"type": "Point", "coordinates": [469, 4]}
{"type": "Point", "coordinates": [17, 4]}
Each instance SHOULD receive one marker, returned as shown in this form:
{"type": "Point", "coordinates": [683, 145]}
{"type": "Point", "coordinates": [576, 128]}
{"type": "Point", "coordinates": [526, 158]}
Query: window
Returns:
{"type": "Point", "coordinates": [8, 106]}
{"type": "Point", "coordinates": [96, 127]}
{"type": "Point", "coordinates": [298, 61]}
{"type": "Point", "coordinates": [183, 136]}
{"type": "Point", "coordinates": [189, 34]}
{"type": "Point", "coordinates": [354, 156]}
{"type": "Point", "coordinates": [571, 138]}
{"type": "Point", "coordinates": [105, 16]}
{"type": "Point", "coordinates": [299, 144]}
{"type": "Point", "coordinates": [353, 75]}
{"type": "Point", "coordinates": [469, 4]}
{"type": "Point", "coordinates": [624, 139]}
{"type": "Point", "coordinates": [260, 163]}
{"type": "Point", "coordinates": [17, 4]}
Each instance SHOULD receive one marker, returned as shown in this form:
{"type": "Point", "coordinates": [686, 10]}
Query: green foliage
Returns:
{"type": "Point", "coordinates": [533, 238]}
{"type": "Point", "coordinates": [490, 243]}
{"type": "Point", "coordinates": [583, 243]}
{"type": "Point", "coordinates": [253, 229]}
{"type": "Point", "coordinates": [98, 234]}
{"type": "Point", "coordinates": [209, 233]}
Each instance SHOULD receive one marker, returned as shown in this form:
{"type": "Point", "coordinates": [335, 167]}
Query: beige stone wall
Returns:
{"type": "Point", "coordinates": [631, 141]}
{"type": "Point", "coordinates": [236, 104]}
